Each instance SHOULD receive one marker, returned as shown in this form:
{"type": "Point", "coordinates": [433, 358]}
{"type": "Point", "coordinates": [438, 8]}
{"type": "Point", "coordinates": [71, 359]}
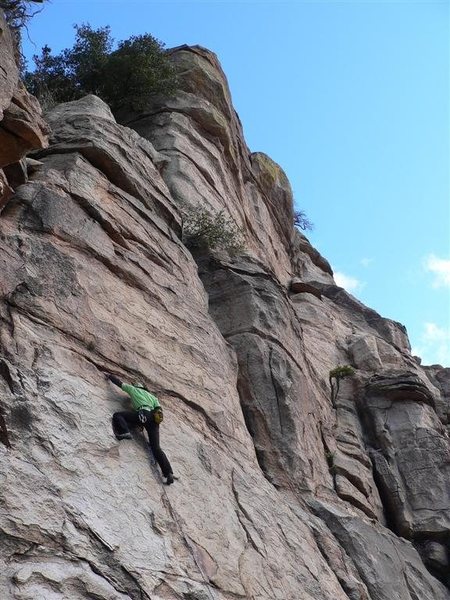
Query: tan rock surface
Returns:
{"type": "Point", "coordinates": [9, 74]}
{"type": "Point", "coordinates": [6, 190]}
{"type": "Point", "coordinates": [97, 280]}
{"type": "Point", "coordinates": [199, 131]}
{"type": "Point", "coordinates": [22, 127]}
{"type": "Point", "coordinates": [412, 459]}
{"type": "Point", "coordinates": [278, 496]}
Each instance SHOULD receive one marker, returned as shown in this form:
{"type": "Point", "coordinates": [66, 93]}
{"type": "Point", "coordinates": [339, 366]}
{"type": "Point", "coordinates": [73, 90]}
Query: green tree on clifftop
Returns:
{"type": "Point", "coordinates": [126, 77]}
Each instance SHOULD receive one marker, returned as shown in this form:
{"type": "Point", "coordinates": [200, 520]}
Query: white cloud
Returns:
{"type": "Point", "coordinates": [366, 261]}
{"type": "Point", "coordinates": [433, 333]}
{"type": "Point", "coordinates": [440, 267]}
{"type": "Point", "coordinates": [351, 284]}
{"type": "Point", "coordinates": [434, 345]}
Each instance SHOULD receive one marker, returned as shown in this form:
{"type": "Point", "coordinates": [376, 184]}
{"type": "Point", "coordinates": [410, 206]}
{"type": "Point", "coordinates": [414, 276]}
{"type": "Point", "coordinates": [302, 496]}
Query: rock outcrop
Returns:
{"type": "Point", "coordinates": [21, 125]}
{"type": "Point", "coordinates": [282, 493]}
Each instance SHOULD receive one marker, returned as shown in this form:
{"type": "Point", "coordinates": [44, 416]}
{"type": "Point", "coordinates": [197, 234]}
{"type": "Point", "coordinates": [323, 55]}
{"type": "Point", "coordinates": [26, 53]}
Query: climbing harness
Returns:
{"type": "Point", "coordinates": [142, 417]}
{"type": "Point", "coordinates": [156, 415]}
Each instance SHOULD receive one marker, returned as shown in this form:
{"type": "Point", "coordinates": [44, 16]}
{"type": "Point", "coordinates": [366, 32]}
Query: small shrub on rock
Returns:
{"type": "Point", "coordinates": [342, 371]}
{"type": "Point", "coordinates": [330, 458]}
{"type": "Point", "coordinates": [335, 376]}
{"type": "Point", "coordinates": [211, 230]}
{"type": "Point", "coordinates": [301, 221]}
{"type": "Point", "coordinates": [17, 14]}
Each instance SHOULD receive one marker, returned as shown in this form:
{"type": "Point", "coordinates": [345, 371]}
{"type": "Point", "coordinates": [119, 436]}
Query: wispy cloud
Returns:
{"type": "Point", "coordinates": [433, 333]}
{"type": "Point", "coordinates": [366, 261]}
{"type": "Point", "coordinates": [351, 284]}
{"type": "Point", "coordinates": [434, 345]}
{"type": "Point", "coordinates": [440, 267]}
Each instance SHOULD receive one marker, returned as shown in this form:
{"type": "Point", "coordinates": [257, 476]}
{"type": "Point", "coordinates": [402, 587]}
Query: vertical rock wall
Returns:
{"type": "Point", "coordinates": [21, 125]}
{"type": "Point", "coordinates": [288, 337]}
{"type": "Point", "coordinates": [281, 494]}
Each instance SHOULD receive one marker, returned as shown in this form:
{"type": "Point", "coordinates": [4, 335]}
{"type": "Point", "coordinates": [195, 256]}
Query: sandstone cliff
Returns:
{"type": "Point", "coordinates": [21, 125]}
{"type": "Point", "coordinates": [283, 494]}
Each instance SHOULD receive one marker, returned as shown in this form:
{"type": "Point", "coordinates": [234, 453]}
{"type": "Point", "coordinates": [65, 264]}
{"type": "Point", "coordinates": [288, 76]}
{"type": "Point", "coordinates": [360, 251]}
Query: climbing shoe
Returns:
{"type": "Point", "coordinates": [169, 479]}
{"type": "Point", "coordinates": [124, 436]}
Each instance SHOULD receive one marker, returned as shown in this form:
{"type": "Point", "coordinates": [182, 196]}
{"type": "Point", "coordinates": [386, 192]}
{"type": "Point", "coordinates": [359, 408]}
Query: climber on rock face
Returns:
{"type": "Point", "coordinates": [148, 413]}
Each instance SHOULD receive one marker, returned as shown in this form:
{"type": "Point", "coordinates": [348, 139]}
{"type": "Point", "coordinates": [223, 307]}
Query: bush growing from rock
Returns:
{"type": "Point", "coordinates": [330, 458]}
{"type": "Point", "coordinates": [126, 77]}
{"type": "Point", "coordinates": [211, 230]}
{"type": "Point", "coordinates": [17, 14]}
{"type": "Point", "coordinates": [335, 375]}
{"type": "Point", "coordinates": [301, 221]}
{"type": "Point", "coordinates": [17, 11]}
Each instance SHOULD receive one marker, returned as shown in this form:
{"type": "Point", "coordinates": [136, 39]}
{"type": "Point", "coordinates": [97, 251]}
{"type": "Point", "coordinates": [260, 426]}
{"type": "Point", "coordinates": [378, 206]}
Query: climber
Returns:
{"type": "Point", "coordinates": [148, 413]}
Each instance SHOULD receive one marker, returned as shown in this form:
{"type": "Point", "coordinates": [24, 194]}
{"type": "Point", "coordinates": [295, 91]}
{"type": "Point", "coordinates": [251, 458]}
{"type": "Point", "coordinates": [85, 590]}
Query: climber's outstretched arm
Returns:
{"type": "Point", "coordinates": [114, 379]}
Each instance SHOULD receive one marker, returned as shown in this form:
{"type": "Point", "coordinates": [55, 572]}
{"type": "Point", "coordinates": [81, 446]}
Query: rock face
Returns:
{"type": "Point", "coordinates": [283, 494]}
{"type": "Point", "coordinates": [21, 126]}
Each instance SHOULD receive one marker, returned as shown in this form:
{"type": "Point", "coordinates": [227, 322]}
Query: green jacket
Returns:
{"type": "Point", "coordinates": [140, 398]}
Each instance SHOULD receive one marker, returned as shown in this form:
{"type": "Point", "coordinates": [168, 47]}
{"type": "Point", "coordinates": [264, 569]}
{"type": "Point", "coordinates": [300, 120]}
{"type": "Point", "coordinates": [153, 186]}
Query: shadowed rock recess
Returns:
{"type": "Point", "coordinates": [282, 493]}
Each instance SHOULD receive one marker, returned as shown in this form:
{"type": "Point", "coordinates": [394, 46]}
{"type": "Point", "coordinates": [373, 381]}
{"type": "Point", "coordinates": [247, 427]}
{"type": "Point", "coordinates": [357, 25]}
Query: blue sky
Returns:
{"type": "Point", "coordinates": [352, 99]}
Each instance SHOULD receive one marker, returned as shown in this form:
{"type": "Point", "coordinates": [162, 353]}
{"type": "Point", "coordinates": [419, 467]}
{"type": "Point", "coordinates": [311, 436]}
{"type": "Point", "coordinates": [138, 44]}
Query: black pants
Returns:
{"type": "Point", "coordinates": [129, 419]}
